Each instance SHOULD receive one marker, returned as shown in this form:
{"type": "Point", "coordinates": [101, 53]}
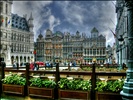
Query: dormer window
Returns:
{"type": "Point", "coordinates": [47, 35]}
{"type": "Point", "coordinates": [20, 27]}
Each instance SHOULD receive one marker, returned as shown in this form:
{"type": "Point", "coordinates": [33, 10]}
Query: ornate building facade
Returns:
{"type": "Point", "coordinates": [121, 29]}
{"type": "Point", "coordinates": [67, 47]}
{"type": "Point", "coordinates": [53, 46]}
{"type": "Point", "coordinates": [72, 47]}
{"type": "Point", "coordinates": [94, 47]}
{"type": "Point", "coordinates": [17, 37]}
{"type": "Point", "coordinates": [40, 48]}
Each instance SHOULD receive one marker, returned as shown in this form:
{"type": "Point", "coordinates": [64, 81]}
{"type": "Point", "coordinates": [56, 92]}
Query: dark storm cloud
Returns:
{"type": "Point", "coordinates": [85, 15]}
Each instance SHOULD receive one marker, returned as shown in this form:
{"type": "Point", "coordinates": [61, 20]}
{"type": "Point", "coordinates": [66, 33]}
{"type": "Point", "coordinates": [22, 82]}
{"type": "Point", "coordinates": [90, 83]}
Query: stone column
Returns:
{"type": "Point", "coordinates": [127, 92]}
{"type": "Point", "coordinates": [96, 51]}
{"type": "Point", "coordinates": [26, 58]}
{"type": "Point", "coordinates": [88, 50]}
{"type": "Point", "coordinates": [19, 60]}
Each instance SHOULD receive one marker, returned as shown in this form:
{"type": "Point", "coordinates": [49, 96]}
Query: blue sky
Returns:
{"type": "Point", "coordinates": [70, 16]}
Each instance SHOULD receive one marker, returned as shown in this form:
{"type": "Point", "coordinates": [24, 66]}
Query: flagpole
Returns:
{"type": "Point", "coordinates": [113, 4]}
{"type": "Point", "coordinates": [114, 34]}
{"type": "Point", "coordinates": [112, 21]}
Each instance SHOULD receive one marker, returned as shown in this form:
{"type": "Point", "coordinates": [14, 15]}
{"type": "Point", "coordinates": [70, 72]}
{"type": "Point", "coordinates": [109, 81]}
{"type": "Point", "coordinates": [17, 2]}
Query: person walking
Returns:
{"type": "Point", "coordinates": [32, 65]}
{"type": "Point", "coordinates": [14, 64]}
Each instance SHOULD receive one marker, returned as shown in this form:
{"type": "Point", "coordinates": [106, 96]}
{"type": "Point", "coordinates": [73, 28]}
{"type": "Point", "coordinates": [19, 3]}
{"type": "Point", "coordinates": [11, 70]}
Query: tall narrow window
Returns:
{"type": "Point", "coordinates": [6, 8]}
{"type": "Point", "coordinates": [91, 51]}
{"type": "Point", "coordinates": [94, 51]}
{"type": "Point", "coordinates": [6, 21]}
{"type": "Point", "coordinates": [97, 51]}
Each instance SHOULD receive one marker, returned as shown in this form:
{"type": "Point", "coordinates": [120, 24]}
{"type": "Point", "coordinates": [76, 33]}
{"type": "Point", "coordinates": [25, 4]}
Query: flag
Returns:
{"type": "Point", "coordinates": [2, 20]}
{"type": "Point", "coordinates": [34, 52]}
{"type": "Point", "coordinates": [8, 22]}
{"type": "Point", "coordinates": [113, 34]}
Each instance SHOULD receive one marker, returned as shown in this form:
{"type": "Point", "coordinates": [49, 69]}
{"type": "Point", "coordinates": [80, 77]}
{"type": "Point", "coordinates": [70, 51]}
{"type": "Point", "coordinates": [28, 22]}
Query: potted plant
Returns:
{"type": "Point", "coordinates": [41, 87]}
{"type": "Point", "coordinates": [13, 83]}
{"type": "Point", "coordinates": [109, 90]}
{"type": "Point", "coordinates": [86, 68]}
{"type": "Point", "coordinates": [74, 89]}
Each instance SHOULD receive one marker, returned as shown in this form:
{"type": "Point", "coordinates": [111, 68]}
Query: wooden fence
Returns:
{"type": "Point", "coordinates": [57, 73]}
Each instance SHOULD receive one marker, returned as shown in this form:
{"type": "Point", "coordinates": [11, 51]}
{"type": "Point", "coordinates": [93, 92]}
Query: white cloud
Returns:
{"type": "Point", "coordinates": [53, 22]}
{"type": "Point", "coordinates": [80, 17]}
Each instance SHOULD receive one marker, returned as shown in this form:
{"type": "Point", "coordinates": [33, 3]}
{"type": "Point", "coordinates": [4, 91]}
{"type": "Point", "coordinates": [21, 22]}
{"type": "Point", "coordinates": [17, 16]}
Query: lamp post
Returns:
{"type": "Point", "coordinates": [117, 52]}
{"type": "Point", "coordinates": [34, 57]}
{"type": "Point", "coordinates": [120, 43]}
{"type": "Point", "coordinates": [0, 30]}
{"type": "Point", "coordinates": [127, 92]}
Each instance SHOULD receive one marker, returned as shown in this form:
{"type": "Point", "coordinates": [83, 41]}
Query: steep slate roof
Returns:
{"type": "Point", "coordinates": [40, 36]}
{"type": "Point", "coordinates": [94, 30]}
{"type": "Point", "coordinates": [19, 22]}
{"type": "Point", "coordinates": [101, 36]}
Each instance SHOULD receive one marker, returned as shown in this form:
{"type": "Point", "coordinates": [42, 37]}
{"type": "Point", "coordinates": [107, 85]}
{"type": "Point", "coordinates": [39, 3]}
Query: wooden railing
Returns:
{"type": "Point", "coordinates": [57, 73]}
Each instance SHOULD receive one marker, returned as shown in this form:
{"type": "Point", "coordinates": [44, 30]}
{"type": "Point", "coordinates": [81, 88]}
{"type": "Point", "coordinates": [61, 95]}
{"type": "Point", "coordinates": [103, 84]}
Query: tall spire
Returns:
{"type": "Point", "coordinates": [31, 17]}
{"type": "Point", "coordinates": [30, 22]}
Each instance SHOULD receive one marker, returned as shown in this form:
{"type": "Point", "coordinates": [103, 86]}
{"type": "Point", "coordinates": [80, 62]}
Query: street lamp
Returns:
{"type": "Point", "coordinates": [0, 28]}
{"type": "Point", "coordinates": [120, 43]}
{"type": "Point", "coordinates": [117, 52]}
{"type": "Point", "coordinates": [111, 60]}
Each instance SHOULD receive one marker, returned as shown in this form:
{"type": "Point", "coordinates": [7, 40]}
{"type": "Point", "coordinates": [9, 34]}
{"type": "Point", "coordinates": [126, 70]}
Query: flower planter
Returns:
{"type": "Point", "coordinates": [108, 96]}
{"type": "Point", "coordinates": [74, 94]}
{"type": "Point", "coordinates": [41, 92]}
{"type": "Point", "coordinates": [13, 89]}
